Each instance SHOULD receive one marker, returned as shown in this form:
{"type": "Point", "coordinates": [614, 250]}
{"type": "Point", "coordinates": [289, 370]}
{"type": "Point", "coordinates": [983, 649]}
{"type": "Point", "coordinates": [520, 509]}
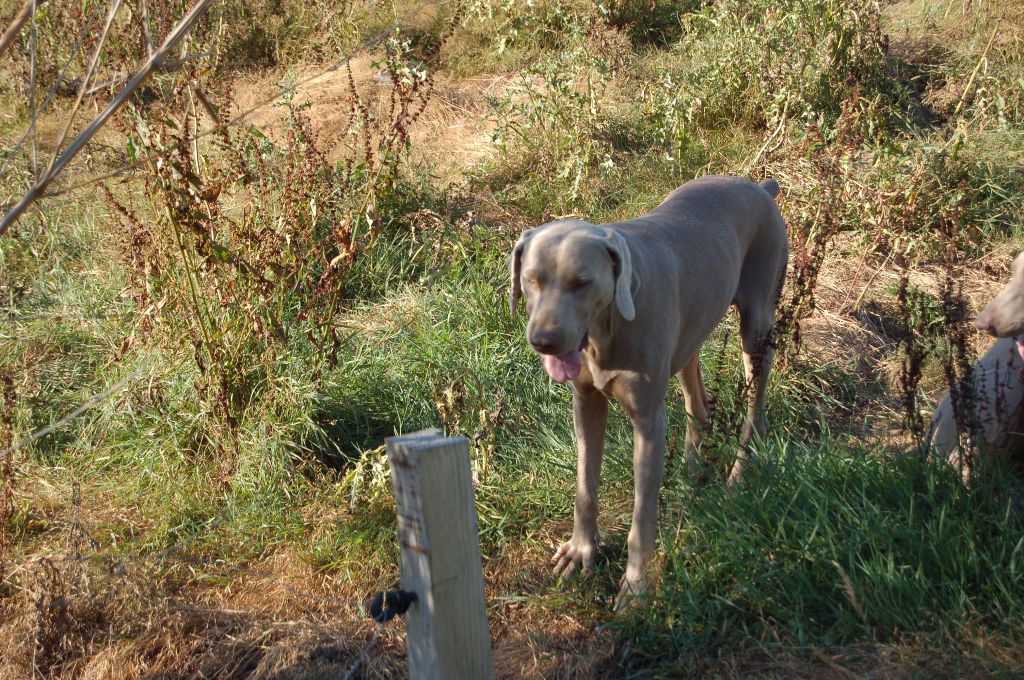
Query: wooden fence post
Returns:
{"type": "Point", "coordinates": [446, 628]}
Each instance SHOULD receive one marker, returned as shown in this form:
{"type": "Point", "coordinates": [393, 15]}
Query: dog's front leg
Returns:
{"type": "Point", "coordinates": [590, 417]}
{"type": "Point", "coordinates": [648, 470]}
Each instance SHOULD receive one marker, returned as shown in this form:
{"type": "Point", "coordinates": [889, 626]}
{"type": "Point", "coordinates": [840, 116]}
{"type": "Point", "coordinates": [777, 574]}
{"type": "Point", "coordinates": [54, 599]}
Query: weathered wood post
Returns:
{"type": "Point", "coordinates": [446, 628]}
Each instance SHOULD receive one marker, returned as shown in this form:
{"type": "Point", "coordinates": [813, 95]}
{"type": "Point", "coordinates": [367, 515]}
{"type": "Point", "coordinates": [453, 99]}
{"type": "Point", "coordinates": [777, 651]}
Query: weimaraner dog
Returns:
{"type": "Point", "coordinates": [618, 309]}
{"type": "Point", "coordinates": [994, 424]}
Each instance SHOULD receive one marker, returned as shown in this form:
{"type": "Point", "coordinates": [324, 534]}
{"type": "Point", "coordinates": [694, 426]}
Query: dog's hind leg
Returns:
{"type": "Point", "coordinates": [757, 296]}
{"type": "Point", "coordinates": [697, 412]}
{"type": "Point", "coordinates": [756, 324]}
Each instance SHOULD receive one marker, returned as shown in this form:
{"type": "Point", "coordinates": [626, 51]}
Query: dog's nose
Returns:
{"type": "Point", "coordinates": [545, 342]}
{"type": "Point", "coordinates": [984, 324]}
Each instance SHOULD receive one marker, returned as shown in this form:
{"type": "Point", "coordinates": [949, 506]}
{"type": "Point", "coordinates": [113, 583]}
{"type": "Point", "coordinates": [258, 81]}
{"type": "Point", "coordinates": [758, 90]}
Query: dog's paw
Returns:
{"type": "Point", "coordinates": [578, 553]}
{"type": "Point", "coordinates": [735, 475]}
{"type": "Point", "coordinates": [739, 467]}
{"type": "Point", "coordinates": [631, 590]}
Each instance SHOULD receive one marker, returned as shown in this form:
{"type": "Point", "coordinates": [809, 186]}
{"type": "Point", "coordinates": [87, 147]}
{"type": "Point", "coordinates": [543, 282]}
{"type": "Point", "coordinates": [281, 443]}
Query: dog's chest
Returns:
{"type": "Point", "coordinates": [601, 378]}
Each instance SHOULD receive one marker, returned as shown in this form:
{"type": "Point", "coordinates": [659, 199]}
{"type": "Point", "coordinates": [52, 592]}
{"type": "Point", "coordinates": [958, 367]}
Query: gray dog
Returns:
{"type": "Point", "coordinates": [995, 424]}
{"type": "Point", "coordinates": [618, 309]}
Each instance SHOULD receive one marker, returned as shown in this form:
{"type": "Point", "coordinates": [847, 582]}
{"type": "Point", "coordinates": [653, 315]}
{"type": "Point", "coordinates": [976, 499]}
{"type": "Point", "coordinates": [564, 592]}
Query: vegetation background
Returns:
{"type": "Point", "coordinates": [278, 294]}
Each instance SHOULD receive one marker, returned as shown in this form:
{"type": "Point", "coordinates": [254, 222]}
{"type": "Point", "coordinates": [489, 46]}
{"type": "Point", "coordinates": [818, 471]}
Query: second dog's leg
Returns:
{"type": "Point", "coordinates": [590, 417]}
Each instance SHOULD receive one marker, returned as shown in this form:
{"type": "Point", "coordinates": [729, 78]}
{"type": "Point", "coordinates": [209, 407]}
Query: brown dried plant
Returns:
{"type": "Point", "coordinates": [833, 185]}
{"type": "Point", "coordinates": [7, 481]}
{"type": "Point", "coordinates": [819, 216]}
{"type": "Point", "coordinates": [247, 243]}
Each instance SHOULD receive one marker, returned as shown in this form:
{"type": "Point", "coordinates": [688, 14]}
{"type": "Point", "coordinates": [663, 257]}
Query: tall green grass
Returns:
{"type": "Point", "coordinates": [825, 545]}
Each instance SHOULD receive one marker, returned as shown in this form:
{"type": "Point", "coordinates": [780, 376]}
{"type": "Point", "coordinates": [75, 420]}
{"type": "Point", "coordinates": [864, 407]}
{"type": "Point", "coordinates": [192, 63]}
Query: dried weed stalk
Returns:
{"type": "Point", "coordinates": [245, 252]}
{"type": "Point", "coordinates": [915, 349]}
{"type": "Point", "coordinates": [467, 410]}
{"type": "Point", "coordinates": [7, 481]}
{"type": "Point", "coordinates": [818, 211]}
{"type": "Point", "coordinates": [842, 180]}
{"type": "Point", "coordinates": [958, 358]}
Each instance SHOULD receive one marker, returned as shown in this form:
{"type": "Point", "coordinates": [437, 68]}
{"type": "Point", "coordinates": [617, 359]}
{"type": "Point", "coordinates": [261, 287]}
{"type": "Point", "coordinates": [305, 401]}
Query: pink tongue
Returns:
{"type": "Point", "coordinates": [564, 367]}
{"type": "Point", "coordinates": [1020, 348]}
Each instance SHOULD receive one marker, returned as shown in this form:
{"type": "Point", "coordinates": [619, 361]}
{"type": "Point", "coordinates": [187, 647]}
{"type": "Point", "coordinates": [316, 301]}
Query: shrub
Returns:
{"type": "Point", "coordinates": [243, 255]}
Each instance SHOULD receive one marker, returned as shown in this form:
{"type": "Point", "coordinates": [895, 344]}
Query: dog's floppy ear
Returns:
{"type": "Point", "coordinates": [515, 267]}
{"type": "Point", "coordinates": [623, 270]}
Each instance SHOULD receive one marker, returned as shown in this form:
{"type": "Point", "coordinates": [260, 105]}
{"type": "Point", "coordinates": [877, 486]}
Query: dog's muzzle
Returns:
{"type": "Point", "coordinates": [565, 367]}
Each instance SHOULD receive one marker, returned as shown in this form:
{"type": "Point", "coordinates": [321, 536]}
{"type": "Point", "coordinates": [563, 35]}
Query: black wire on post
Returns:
{"type": "Point", "coordinates": [386, 606]}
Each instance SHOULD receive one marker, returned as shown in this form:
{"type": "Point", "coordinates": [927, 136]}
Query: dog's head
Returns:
{"type": "Point", "coordinates": [1004, 316]}
{"type": "Point", "coordinates": [571, 273]}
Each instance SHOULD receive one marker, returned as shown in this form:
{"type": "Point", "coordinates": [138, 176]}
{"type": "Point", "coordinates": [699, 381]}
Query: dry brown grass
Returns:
{"type": "Point", "coordinates": [856, 317]}
{"type": "Point", "coordinates": [534, 642]}
{"type": "Point", "coordinates": [87, 615]}
{"type": "Point", "coordinates": [926, 33]}
{"type": "Point", "coordinates": [854, 281]}
{"type": "Point", "coordinates": [75, 605]}
{"type": "Point", "coordinates": [129, 618]}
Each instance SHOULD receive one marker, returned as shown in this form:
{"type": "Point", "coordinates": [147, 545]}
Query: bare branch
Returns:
{"type": "Point", "coordinates": [218, 127]}
{"type": "Point", "coordinates": [114, 6]}
{"type": "Point", "coordinates": [175, 36]}
{"type": "Point", "coordinates": [49, 97]}
{"type": "Point", "coordinates": [238, 119]}
{"type": "Point", "coordinates": [32, 92]}
{"type": "Point", "coordinates": [15, 27]}
{"type": "Point", "coordinates": [145, 28]}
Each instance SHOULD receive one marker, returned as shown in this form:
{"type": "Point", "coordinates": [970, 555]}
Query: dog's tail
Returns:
{"type": "Point", "coordinates": [771, 186]}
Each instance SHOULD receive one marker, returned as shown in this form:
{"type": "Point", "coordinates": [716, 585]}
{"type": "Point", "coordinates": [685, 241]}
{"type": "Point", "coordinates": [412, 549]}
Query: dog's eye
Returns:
{"type": "Point", "coordinates": [580, 284]}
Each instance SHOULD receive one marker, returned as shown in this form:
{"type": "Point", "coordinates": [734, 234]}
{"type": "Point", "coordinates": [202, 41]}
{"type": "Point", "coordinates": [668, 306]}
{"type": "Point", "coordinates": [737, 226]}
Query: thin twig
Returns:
{"type": "Point", "coordinates": [145, 28]}
{"type": "Point", "coordinates": [58, 317]}
{"type": "Point", "coordinates": [175, 36]}
{"type": "Point", "coordinates": [855, 277]}
{"type": "Point", "coordinates": [871, 279]}
{"type": "Point", "coordinates": [50, 95]}
{"type": "Point", "coordinates": [362, 655]}
{"type": "Point", "coordinates": [194, 560]}
{"type": "Point", "coordinates": [165, 66]}
{"type": "Point", "coordinates": [218, 127]}
{"type": "Point", "coordinates": [118, 78]}
{"type": "Point", "coordinates": [170, 65]}
{"type": "Point", "coordinates": [114, 6]}
{"type": "Point", "coordinates": [770, 138]}
{"type": "Point", "coordinates": [15, 27]}
{"type": "Point", "coordinates": [32, 92]}
{"type": "Point", "coordinates": [974, 73]}
{"type": "Point", "coordinates": [88, 404]}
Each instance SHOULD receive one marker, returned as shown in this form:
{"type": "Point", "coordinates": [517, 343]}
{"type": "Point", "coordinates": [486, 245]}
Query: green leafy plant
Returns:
{"type": "Point", "coordinates": [550, 121]}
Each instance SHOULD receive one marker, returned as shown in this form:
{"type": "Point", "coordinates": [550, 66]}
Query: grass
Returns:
{"type": "Point", "coordinates": [836, 555]}
{"type": "Point", "coordinates": [826, 550]}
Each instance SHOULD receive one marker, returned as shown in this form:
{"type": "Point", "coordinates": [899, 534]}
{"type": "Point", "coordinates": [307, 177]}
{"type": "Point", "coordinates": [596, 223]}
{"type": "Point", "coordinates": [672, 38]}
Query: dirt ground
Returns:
{"type": "Point", "coordinates": [451, 135]}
